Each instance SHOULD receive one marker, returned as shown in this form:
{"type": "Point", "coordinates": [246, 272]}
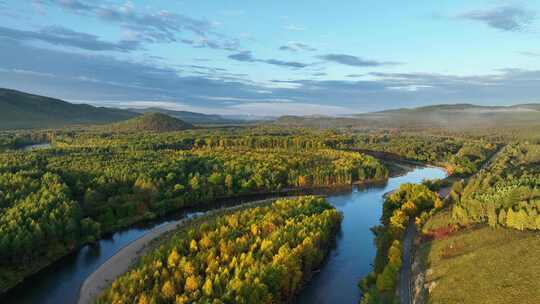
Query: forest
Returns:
{"type": "Point", "coordinates": [507, 193]}
{"type": "Point", "coordinates": [461, 155]}
{"type": "Point", "coordinates": [94, 181]}
{"type": "Point", "coordinates": [54, 200]}
{"type": "Point", "coordinates": [487, 235]}
{"type": "Point", "coordinates": [257, 255]}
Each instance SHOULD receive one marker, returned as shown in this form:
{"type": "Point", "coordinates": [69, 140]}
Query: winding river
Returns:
{"type": "Point", "coordinates": [336, 283]}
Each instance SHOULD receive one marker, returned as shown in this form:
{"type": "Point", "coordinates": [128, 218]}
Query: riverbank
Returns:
{"type": "Point", "coordinates": [355, 249]}
{"type": "Point", "coordinates": [128, 256]}
{"type": "Point", "coordinates": [120, 263]}
{"type": "Point", "coordinates": [336, 282]}
{"type": "Point", "coordinates": [40, 265]}
{"type": "Point", "coordinates": [247, 215]}
{"type": "Point", "coordinates": [390, 279]}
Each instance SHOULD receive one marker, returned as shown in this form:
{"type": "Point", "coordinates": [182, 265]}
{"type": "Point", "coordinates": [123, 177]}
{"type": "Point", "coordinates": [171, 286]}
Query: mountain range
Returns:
{"type": "Point", "coordinates": [19, 110]}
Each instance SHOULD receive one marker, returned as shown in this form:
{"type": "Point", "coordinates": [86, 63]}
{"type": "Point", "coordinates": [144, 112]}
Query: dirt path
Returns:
{"type": "Point", "coordinates": [405, 271]}
{"type": "Point", "coordinates": [126, 257]}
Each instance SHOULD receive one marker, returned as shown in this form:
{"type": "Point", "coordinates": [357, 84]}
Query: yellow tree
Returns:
{"type": "Point", "coordinates": [192, 284]}
{"type": "Point", "coordinates": [172, 260]}
{"type": "Point", "coordinates": [167, 290]}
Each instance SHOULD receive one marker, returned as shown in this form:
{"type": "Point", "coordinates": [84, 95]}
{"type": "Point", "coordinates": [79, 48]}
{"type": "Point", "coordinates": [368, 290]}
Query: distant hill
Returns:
{"type": "Point", "coordinates": [457, 116]}
{"type": "Point", "coordinates": [453, 116]}
{"type": "Point", "coordinates": [190, 117]}
{"type": "Point", "coordinates": [532, 106]}
{"type": "Point", "coordinates": [461, 108]}
{"type": "Point", "coordinates": [19, 110]}
{"type": "Point", "coordinates": [151, 122]}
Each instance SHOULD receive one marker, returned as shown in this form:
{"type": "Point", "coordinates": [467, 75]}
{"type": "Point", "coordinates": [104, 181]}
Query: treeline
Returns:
{"type": "Point", "coordinates": [408, 205]}
{"type": "Point", "coordinates": [53, 200]}
{"type": "Point", "coordinates": [257, 255]}
{"type": "Point", "coordinates": [106, 180]}
{"type": "Point", "coordinates": [506, 194]}
{"type": "Point", "coordinates": [461, 156]}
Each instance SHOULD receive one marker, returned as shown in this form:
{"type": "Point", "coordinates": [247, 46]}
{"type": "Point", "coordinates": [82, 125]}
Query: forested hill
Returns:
{"type": "Point", "coordinates": [190, 117]}
{"type": "Point", "coordinates": [457, 116]}
{"type": "Point", "coordinates": [151, 122]}
{"type": "Point", "coordinates": [461, 108]}
{"type": "Point", "coordinates": [19, 110]}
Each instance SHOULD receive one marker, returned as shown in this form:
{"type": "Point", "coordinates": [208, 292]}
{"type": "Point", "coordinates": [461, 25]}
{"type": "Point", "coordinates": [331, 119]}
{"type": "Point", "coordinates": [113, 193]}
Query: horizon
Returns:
{"type": "Point", "coordinates": [136, 106]}
{"type": "Point", "coordinates": [272, 60]}
{"type": "Point", "coordinates": [127, 107]}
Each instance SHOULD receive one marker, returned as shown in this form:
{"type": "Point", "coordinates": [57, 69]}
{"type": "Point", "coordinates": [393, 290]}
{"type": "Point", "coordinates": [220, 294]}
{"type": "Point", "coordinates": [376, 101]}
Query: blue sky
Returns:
{"type": "Point", "coordinates": [273, 57]}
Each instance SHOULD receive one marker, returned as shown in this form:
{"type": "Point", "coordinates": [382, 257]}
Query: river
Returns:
{"type": "Point", "coordinates": [33, 147]}
{"type": "Point", "coordinates": [336, 283]}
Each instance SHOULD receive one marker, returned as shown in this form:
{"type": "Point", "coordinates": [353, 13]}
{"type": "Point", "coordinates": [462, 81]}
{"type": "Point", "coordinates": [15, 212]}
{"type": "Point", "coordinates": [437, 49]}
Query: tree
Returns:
{"type": "Point", "coordinates": [521, 219]}
{"type": "Point", "coordinates": [229, 183]}
{"type": "Point", "coordinates": [492, 215]}
{"type": "Point", "coordinates": [143, 299]}
{"type": "Point", "coordinates": [167, 290]}
{"type": "Point", "coordinates": [174, 257]}
{"type": "Point", "coordinates": [502, 217]}
{"type": "Point", "coordinates": [386, 281]}
{"type": "Point", "coordinates": [192, 283]}
{"type": "Point", "coordinates": [510, 218]}
{"type": "Point", "coordinates": [208, 288]}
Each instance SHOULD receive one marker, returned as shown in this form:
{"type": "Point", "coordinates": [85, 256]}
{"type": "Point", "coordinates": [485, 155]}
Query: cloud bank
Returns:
{"type": "Point", "coordinates": [57, 35]}
{"type": "Point", "coordinates": [97, 78]}
{"type": "Point", "coordinates": [247, 56]}
{"type": "Point", "coordinates": [504, 18]}
{"type": "Point", "coordinates": [151, 27]}
{"type": "Point", "coordinates": [354, 60]}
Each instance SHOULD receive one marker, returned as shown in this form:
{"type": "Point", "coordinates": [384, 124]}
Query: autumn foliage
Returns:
{"type": "Point", "coordinates": [257, 255]}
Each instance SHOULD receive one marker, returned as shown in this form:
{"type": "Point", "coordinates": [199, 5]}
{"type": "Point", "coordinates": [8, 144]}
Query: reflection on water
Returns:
{"type": "Point", "coordinates": [36, 147]}
{"type": "Point", "coordinates": [336, 283]}
{"type": "Point", "coordinates": [355, 251]}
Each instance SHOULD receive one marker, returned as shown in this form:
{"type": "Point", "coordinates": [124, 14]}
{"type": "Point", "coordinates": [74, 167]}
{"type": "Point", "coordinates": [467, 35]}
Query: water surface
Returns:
{"type": "Point", "coordinates": [351, 259]}
{"type": "Point", "coordinates": [33, 147]}
{"type": "Point", "coordinates": [336, 283]}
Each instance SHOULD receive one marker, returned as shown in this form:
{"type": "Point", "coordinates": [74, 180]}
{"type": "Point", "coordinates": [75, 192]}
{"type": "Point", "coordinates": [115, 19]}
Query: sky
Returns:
{"type": "Point", "coordinates": [270, 58]}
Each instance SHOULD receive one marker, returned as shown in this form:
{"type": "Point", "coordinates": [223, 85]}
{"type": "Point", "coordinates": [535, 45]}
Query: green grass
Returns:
{"type": "Point", "coordinates": [483, 265]}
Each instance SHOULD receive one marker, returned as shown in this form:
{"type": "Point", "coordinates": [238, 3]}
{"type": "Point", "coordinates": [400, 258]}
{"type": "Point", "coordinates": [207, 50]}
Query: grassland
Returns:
{"type": "Point", "coordinates": [480, 264]}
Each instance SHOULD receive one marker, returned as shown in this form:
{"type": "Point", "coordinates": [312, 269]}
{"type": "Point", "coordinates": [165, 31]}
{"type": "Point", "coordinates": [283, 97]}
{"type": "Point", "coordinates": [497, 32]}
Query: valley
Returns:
{"type": "Point", "coordinates": [269, 152]}
{"type": "Point", "coordinates": [74, 199]}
